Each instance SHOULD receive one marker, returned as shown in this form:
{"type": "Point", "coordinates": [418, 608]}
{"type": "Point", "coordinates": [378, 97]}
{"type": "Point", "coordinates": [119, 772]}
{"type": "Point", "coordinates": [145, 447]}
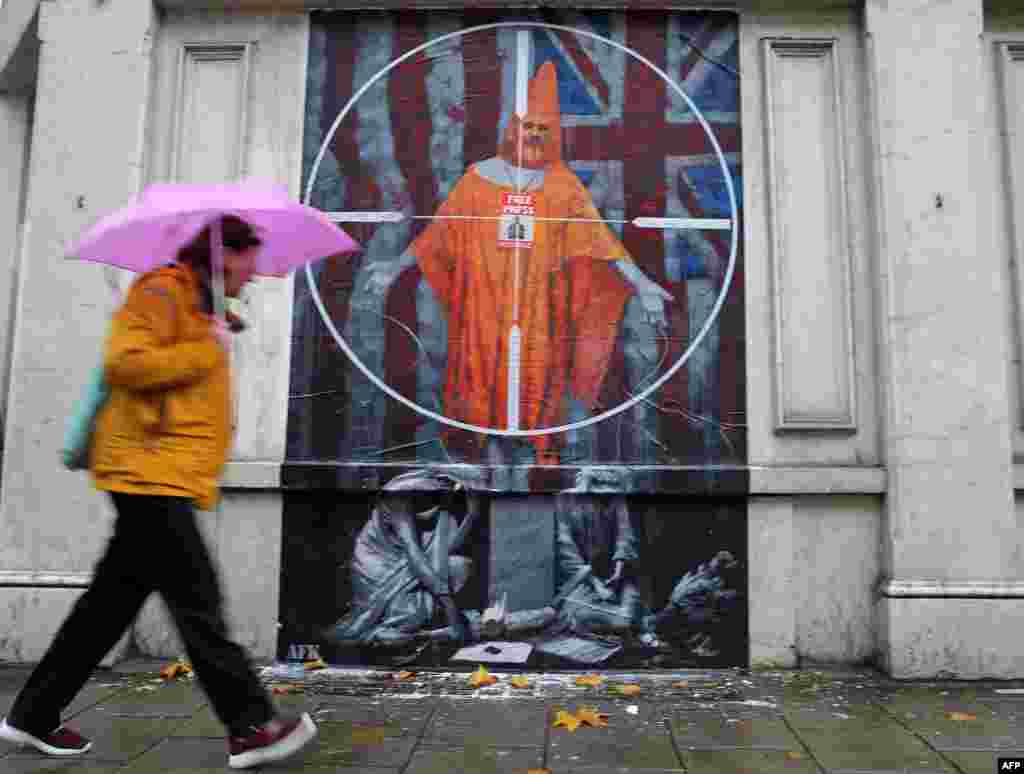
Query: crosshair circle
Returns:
{"type": "Point", "coordinates": [625, 405]}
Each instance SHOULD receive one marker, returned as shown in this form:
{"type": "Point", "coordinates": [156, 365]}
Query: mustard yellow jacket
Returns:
{"type": "Point", "coordinates": [166, 429]}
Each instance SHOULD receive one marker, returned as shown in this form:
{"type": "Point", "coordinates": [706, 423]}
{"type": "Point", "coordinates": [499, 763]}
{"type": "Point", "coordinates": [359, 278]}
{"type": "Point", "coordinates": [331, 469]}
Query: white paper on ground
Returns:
{"type": "Point", "coordinates": [507, 652]}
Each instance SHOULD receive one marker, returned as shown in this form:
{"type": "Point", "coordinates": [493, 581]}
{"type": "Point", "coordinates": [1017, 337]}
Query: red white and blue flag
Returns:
{"type": "Point", "coordinates": [631, 139]}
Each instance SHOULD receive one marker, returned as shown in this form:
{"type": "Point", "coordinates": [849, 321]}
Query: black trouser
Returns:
{"type": "Point", "coordinates": [156, 547]}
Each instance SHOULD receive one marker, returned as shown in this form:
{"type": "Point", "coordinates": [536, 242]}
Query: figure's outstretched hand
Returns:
{"type": "Point", "coordinates": [653, 298]}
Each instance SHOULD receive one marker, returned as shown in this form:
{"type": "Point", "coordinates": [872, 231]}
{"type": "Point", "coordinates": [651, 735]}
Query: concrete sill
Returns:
{"type": "Point", "coordinates": [764, 480]}
{"type": "Point", "coordinates": [810, 480]}
{"type": "Point", "coordinates": [252, 475]}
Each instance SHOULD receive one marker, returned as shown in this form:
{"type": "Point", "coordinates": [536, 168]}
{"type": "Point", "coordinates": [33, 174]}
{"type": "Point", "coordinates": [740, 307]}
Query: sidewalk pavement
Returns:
{"type": "Point", "coordinates": [703, 722]}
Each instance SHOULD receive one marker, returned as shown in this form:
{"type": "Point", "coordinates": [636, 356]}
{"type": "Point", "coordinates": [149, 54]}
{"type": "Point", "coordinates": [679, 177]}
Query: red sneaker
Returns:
{"type": "Point", "coordinates": [63, 741]}
{"type": "Point", "coordinates": [272, 741]}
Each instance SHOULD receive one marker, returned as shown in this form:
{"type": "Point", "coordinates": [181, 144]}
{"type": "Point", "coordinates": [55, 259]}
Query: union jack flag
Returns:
{"type": "Point", "coordinates": [633, 141]}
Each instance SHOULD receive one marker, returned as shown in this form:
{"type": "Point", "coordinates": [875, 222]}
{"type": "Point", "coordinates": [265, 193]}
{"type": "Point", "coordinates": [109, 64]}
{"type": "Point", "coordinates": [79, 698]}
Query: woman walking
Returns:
{"type": "Point", "coordinates": [160, 444]}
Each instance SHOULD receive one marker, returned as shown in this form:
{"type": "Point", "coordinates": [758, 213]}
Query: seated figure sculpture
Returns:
{"type": "Point", "coordinates": [405, 566]}
{"type": "Point", "coordinates": [596, 548]}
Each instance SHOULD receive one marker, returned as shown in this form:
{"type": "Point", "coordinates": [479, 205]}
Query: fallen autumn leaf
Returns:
{"type": "Point", "coordinates": [592, 681]}
{"type": "Point", "coordinates": [566, 720]}
{"type": "Point", "coordinates": [962, 716]}
{"type": "Point", "coordinates": [177, 669]}
{"type": "Point", "coordinates": [482, 677]}
{"type": "Point", "coordinates": [318, 663]}
{"type": "Point", "coordinates": [591, 717]}
{"type": "Point", "coordinates": [629, 689]}
{"type": "Point", "coordinates": [520, 682]}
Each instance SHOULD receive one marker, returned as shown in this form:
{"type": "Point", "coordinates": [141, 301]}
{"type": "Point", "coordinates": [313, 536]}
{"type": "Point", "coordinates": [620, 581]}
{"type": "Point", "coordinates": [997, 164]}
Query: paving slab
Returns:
{"type": "Point", "coordinates": [115, 740]}
{"type": "Point", "coordinates": [745, 762]}
{"type": "Point", "coordinates": [615, 770]}
{"type": "Point", "coordinates": [205, 723]}
{"type": "Point", "coordinates": [974, 762]}
{"type": "Point", "coordinates": [720, 730]}
{"type": "Point", "coordinates": [475, 758]}
{"type": "Point", "coordinates": [966, 726]}
{"type": "Point", "coordinates": [359, 744]}
{"type": "Point", "coordinates": [48, 765]}
{"type": "Point", "coordinates": [94, 692]}
{"type": "Point", "coordinates": [868, 738]}
{"type": "Point", "coordinates": [493, 724]}
{"type": "Point", "coordinates": [631, 741]}
{"type": "Point", "coordinates": [399, 717]}
{"type": "Point", "coordinates": [182, 754]}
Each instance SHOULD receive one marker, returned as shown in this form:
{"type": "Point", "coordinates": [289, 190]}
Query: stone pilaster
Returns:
{"type": "Point", "coordinates": [92, 98]}
{"type": "Point", "coordinates": [950, 527]}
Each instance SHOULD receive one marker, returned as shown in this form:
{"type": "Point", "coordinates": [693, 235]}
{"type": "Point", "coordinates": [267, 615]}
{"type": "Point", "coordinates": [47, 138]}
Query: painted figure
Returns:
{"type": "Point", "coordinates": [405, 566]}
{"type": "Point", "coordinates": [563, 283]}
{"type": "Point", "coordinates": [597, 549]}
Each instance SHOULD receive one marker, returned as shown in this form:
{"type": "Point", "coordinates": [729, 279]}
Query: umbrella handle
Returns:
{"type": "Point", "coordinates": [217, 268]}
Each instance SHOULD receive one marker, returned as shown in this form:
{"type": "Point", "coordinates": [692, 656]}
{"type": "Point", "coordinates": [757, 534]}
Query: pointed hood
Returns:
{"type": "Point", "coordinates": [542, 106]}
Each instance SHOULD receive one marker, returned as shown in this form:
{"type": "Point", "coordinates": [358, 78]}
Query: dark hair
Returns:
{"type": "Point", "coordinates": [235, 234]}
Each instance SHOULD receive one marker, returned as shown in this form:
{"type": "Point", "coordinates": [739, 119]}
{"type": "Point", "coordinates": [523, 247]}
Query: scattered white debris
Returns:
{"type": "Point", "coordinates": [756, 703]}
{"type": "Point", "coordinates": [633, 709]}
{"type": "Point", "coordinates": [1010, 690]}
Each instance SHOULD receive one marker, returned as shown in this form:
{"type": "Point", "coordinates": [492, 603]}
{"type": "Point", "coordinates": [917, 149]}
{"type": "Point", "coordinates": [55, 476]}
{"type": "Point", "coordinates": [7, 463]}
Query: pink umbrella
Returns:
{"type": "Point", "coordinates": [166, 217]}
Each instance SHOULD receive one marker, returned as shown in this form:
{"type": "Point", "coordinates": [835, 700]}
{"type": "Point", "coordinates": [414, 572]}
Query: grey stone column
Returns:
{"type": "Point", "coordinates": [92, 99]}
{"type": "Point", "coordinates": [951, 547]}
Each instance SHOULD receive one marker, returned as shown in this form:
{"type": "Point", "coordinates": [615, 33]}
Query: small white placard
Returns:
{"type": "Point", "coordinates": [507, 653]}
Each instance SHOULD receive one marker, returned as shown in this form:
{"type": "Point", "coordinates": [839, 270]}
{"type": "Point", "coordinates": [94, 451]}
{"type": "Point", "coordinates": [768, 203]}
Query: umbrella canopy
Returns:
{"type": "Point", "coordinates": [166, 217]}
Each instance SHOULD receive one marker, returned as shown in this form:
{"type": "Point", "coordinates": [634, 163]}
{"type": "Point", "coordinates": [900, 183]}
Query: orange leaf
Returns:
{"type": "Point", "coordinates": [566, 720]}
{"type": "Point", "coordinates": [520, 682]}
{"type": "Point", "coordinates": [482, 677]}
{"type": "Point", "coordinates": [178, 668]}
{"type": "Point", "coordinates": [403, 675]}
{"type": "Point", "coordinates": [794, 755]}
{"type": "Point", "coordinates": [591, 717]}
{"type": "Point", "coordinates": [962, 716]}
{"type": "Point", "coordinates": [538, 771]}
{"type": "Point", "coordinates": [589, 680]}
{"type": "Point", "coordinates": [681, 684]}
{"type": "Point", "coordinates": [317, 663]}
{"type": "Point", "coordinates": [629, 689]}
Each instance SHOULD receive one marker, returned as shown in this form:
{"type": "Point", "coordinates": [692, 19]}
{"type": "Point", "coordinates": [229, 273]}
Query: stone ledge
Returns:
{"type": "Point", "coordinates": [764, 480]}
{"type": "Point", "coordinates": [831, 479]}
{"type": "Point", "coordinates": [252, 475]}
{"type": "Point", "coordinates": [51, 580]}
{"type": "Point", "coordinates": [926, 588]}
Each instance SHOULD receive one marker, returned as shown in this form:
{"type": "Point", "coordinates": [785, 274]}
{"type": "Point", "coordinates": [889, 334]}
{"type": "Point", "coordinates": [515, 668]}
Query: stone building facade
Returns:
{"type": "Point", "coordinates": [882, 173]}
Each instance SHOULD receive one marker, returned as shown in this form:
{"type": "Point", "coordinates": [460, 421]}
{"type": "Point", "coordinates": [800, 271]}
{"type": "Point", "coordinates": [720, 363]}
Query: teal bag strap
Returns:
{"type": "Point", "coordinates": [78, 432]}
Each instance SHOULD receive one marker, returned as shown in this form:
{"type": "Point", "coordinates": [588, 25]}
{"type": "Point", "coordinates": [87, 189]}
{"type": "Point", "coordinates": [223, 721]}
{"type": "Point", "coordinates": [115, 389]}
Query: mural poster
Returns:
{"type": "Point", "coordinates": [548, 302]}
